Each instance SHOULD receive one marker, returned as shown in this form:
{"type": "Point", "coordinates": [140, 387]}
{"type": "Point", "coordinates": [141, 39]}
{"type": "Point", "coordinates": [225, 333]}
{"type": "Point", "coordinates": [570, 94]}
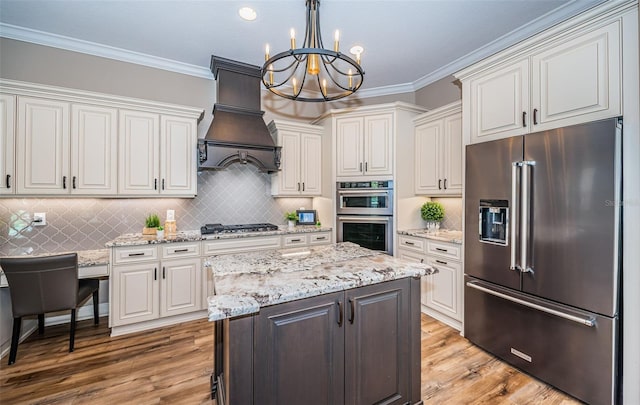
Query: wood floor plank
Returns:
{"type": "Point", "coordinates": [173, 365]}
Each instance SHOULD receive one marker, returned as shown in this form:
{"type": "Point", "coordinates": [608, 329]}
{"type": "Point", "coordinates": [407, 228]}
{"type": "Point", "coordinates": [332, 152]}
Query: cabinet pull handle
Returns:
{"type": "Point", "coordinates": [303, 186]}
{"type": "Point", "coordinates": [136, 254]}
{"type": "Point", "coordinates": [439, 184]}
{"type": "Point", "coordinates": [296, 240]}
{"type": "Point", "coordinates": [155, 273]}
{"type": "Point", "coordinates": [321, 238]}
{"type": "Point", "coordinates": [163, 273]}
{"type": "Point", "coordinates": [406, 242]}
{"type": "Point", "coordinates": [352, 315]}
{"type": "Point", "coordinates": [340, 313]}
{"type": "Point", "coordinates": [360, 166]}
{"type": "Point", "coordinates": [64, 182]}
{"type": "Point", "coordinates": [298, 186]}
{"type": "Point", "coordinates": [442, 250]}
{"type": "Point", "coordinates": [524, 119]}
{"type": "Point", "coordinates": [163, 184]}
{"type": "Point", "coordinates": [155, 184]}
{"type": "Point", "coordinates": [366, 166]}
{"type": "Point", "coordinates": [445, 184]}
{"type": "Point", "coordinates": [422, 260]}
{"type": "Point", "coordinates": [441, 262]}
{"type": "Point", "coordinates": [180, 250]}
{"type": "Point", "coordinates": [8, 181]}
{"type": "Point", "coordinates": [73, 182]}
{"type": "Point", "coordinates": [535, 116]}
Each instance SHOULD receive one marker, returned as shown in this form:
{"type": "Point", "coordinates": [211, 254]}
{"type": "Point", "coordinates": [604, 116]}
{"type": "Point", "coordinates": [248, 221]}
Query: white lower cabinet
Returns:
{"type": "Point", "coordinates": [144, 288]}
{"type": "Point", "coordinates": [441, 293]}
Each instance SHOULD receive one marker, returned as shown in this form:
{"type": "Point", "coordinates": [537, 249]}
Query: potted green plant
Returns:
{"type": "Point", "coordinates": [160, 232]}
{"type": "Point", "coordinates": [151, 224]}
{"type": "Point", "coordinates": [291, 217]}
{"type": "Point", "coordinates": [433, 213]}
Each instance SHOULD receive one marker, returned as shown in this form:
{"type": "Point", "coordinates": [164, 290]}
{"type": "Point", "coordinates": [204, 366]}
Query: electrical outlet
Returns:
{"type": "Point", "coordinates": [39, 218]}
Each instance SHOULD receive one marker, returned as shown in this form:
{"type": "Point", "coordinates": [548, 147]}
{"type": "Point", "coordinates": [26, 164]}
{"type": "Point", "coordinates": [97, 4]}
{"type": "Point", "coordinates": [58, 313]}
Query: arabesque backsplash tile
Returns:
{"type": "Point", "coordinates": [452, 213]}
{"type": "Point", "coordinates": [240, 194]}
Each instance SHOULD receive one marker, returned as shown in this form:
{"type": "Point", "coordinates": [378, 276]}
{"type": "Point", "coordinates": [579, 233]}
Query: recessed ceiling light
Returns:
{"type": "Point", "coordinates": [247, 13]}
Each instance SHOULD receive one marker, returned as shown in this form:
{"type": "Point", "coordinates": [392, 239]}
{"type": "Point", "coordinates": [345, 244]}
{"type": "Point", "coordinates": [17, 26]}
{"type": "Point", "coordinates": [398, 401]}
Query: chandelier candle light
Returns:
{"type": "Point", "coordinates": [312, 73]}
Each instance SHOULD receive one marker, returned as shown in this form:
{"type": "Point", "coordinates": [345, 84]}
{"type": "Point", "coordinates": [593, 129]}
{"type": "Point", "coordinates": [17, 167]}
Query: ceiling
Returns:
{"type": "Point", "coordinates": [408, 44]}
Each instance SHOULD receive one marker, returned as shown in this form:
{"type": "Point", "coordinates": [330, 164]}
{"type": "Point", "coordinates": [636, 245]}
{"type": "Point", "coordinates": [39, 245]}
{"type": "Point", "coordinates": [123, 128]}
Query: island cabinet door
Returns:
{"type": "Point", "coordinates": [299, 352]}
{"type": "Point", "coordinates": [377, 345]}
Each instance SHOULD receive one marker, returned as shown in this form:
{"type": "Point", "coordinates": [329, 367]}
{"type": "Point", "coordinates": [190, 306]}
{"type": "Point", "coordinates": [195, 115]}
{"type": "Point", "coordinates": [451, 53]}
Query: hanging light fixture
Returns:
{"type": "Point", "coordinates": [312, 73]}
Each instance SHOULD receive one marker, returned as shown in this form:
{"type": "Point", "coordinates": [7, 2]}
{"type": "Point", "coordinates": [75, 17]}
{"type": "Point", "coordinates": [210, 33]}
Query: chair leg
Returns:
{"type": "Point", "coordinates": [96, 318]}
{"type": "Point", "coordinates": [40, 324]}
{"type": "Point", "coordinates": [17, 322]}
{"type": "Point", "coordinates": [72, 332]}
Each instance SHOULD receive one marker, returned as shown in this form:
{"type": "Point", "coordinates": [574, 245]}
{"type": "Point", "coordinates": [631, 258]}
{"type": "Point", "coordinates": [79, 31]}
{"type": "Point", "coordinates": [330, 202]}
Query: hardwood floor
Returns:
{"type": "Point", "coordinates": [173, 365]}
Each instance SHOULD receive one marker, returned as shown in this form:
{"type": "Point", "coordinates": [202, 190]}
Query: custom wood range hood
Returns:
{"type": "Point", "coordinates": [238, 132]}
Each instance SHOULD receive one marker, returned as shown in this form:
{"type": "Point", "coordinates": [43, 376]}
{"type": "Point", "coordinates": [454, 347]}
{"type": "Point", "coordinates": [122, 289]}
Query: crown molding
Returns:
{"type": "Point", "coordinates": [105, 51]}
{"type": "Point", "coordinates": [555, 16]}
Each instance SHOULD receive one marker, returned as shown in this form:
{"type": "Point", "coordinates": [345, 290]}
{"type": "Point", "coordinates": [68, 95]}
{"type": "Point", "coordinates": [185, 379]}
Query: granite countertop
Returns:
{"type": "Point", "coordinates": [86, 258]}
{"type": "Point", "coordinates": [245, 282]}
{"type": "Point", "coordinates": [134, 239]}
{"type": "Point", "coordinates": [443, 235]}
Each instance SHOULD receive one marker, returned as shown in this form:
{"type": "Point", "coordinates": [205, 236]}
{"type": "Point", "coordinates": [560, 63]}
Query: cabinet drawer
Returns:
{"type": "Point", "coordinates": [294, 240]}
{"type": "Point", "coordinates": [175, 250]}
{"type": "Point", "coordinates": [448, 250]}
{"type": "Point", "coordinates": [414, 244]}
{"type": "Point", "coordinates": [239, 245]}
{"type": "Point", "coordinates": [93, 271]}
{"type": "Point", "coordinates": [320, 238]}
{"type": "Point", "coordinates": [134, 254]}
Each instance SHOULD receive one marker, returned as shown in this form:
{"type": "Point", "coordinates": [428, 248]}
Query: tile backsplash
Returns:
{"type": "Point", "coordinates": [239, 194]}
{"type": "Point", "coordinates": [452, 213]}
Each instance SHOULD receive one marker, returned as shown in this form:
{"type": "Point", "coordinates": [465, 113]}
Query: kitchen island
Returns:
{"type": "Point", "coordinates": [327, 324]}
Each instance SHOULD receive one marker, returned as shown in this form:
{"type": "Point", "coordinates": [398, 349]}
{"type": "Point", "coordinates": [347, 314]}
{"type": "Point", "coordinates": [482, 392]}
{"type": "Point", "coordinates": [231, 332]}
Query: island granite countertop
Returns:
{"type": "Point", "coordinates": [443, 235]}
{"type": "Point", "coordinates": [135, 239]}
{"type": "Point", "coordinates": [243, 283]}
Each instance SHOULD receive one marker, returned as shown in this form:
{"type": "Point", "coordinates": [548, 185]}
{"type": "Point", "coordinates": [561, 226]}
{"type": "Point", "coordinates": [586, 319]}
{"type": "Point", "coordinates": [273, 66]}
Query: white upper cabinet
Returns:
{"type": "Point", "coordinates": [7, 143]}
{"type": "Point", "coordinates": [139, 168]}
{"type": "Point", "coordinates": [549, 81]}
{"type": "Point", "coordinates": [178, 159]}
{"type": "Point", "coordinates": [438, 151]}
{"type": "Point", "coordinates": [365, 145]}
{"type": "Point", "coordinates": [300, 160]}
{"type": "Point", "coordinates": [94, 152]}
{"type": "Point", "coordinates": [43, 146]}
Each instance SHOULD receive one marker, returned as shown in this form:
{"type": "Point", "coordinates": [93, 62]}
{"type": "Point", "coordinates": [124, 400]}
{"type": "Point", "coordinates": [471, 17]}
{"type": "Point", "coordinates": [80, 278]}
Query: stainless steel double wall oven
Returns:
{"type": "Point", "coordinates": [365, 214]}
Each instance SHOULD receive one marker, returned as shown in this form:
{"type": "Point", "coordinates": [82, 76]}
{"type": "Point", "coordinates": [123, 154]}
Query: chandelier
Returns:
{"type": "Point", "coordinates": [312, 73]}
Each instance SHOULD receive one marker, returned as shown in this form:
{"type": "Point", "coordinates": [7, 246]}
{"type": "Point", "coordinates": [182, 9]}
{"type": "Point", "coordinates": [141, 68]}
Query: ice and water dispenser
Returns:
{"type": "Point", "coordinates": [494, 221]}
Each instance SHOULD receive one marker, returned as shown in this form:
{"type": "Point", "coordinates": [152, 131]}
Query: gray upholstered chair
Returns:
{"type": "Point", "coordinates": [38, 285]}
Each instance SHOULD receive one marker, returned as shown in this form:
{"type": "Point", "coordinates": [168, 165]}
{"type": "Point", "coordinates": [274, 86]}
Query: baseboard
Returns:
{"type": "Point", "coordinates": [29, 326]}
{"type": "Point", "coordinates": [158, 323]}
{"type": "Point", "coordinates": [457, 325]}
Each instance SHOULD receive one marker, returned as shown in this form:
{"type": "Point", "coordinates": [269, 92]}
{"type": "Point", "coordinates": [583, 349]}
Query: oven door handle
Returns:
{"type": "Point", "coordinates": [365, 219]}
{"type": "Point", "coordinates": [370, 192]}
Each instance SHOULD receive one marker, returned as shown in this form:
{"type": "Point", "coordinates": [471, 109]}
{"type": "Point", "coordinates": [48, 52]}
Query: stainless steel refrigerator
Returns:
{"type": "Point", "coordinates": [542, 255]}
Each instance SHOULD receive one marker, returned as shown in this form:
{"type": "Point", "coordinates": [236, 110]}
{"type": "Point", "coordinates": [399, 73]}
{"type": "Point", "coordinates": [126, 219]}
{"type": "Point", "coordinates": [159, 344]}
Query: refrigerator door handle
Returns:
{"type": "Point", "coordinates": [525, 217]}
{"type": "Point", "coordinates": [590, 322]}
{"type": "Point", "coordinates": [514, 214]}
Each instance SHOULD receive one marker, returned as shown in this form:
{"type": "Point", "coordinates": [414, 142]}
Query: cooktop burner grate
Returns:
{"type": "Point", "coordinates": [219, 228]}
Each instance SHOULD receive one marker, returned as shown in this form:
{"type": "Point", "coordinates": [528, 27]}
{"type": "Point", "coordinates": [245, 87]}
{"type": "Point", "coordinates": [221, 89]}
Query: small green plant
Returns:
{"type": "Point", "coordinates": [152, 221]}
{"type": "Point", "coordinates": [291, 216]}
{"type": "Point", "coordinates": [160, 228]}
{"type": "Point", "coordinates": [432, 211]}
{"type": "Point", "coordinates": [318, 224]}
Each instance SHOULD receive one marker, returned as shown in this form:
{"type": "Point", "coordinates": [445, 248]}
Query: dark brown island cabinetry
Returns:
{"type": "Point", "coordinates": [359, 346]}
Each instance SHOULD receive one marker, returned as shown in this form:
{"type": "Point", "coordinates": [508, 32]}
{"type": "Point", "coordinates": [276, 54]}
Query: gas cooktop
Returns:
{"type": "Point", "coordinates": [219, 228]}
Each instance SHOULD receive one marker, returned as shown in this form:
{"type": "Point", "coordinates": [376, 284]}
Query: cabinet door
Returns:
{"type": "Point", "coordinates": [350, 146]}
{"type": "Point", "coordinates": [289, 174]}
{"type": "Point", "coordinates": [94, 152]}
{"type": "Point", "coordinates": [378, 141]}
{"type": "Point", "coordinates": [299, 352]}
{"type": "Point", "coordinates": [7, 143]}
{"type": "Point", "coordinates": [578, 80]}
{"type": "Point", "coordinates": [138, 168]}
{"type": "Point", "coordinates": [178, 166]}
{"type": "Point", "coordinates": [181, 289]}
{"type": "Point", "coordinates": [43, 146]}
{"type": "Point", "coordinates": [135, 293]}
{"type": "Point", "coordinates": [311, 164]}
{"type": "Point", "coordinates": [428, 158]}
{"type": "Point", "coordinates": [377, 348]}
{"type": "Point", "coordinates": [444, 294]}
{"type": "Point", "coordinates": [452, 153]}
{"type": "Point", "coordinates": [498, 101]}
